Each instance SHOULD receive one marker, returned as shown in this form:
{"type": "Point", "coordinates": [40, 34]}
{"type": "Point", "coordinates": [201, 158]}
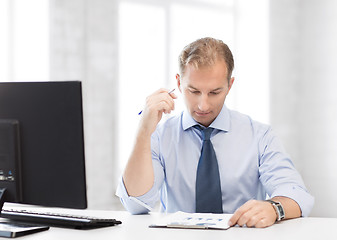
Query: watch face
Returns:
{"type": "Point", "coordinates": [280, 210]}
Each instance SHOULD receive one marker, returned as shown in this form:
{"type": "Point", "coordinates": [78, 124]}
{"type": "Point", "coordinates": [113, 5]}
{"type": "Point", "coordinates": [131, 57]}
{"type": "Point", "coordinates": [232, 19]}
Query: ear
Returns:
{"type": "Point", "coordinates": [178, 81]}
{"type": "Point", "coordinates": [230, 84]}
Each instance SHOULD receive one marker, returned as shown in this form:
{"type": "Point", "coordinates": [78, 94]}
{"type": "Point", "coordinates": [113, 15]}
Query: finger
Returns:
{"type": "Point", "coordinates": [254, 220]}
{"type": "Point", "coordinates": [170, 93]}
{"type": "Point", "coordinates": [258, 216]}
{"type": "Point", "coordinates": [154, 101]}
{"type": "Point", "coordinates": [250, 215]}
{"type": "Point", "coordinates": [164, 90]}
{"type": "Point", "coordinates": [174, 96]}
{"type": "Point", "coordinates": [239, 212]}
{"type": "Point", "coordinates": [164, 107]}
{"type": "Point", "coordinates": [236, 216]}
{"type": "Point", "coordinates": [263, 222]}
{"type": "Point", "coordinates": [161, 90]}
{"type": "Point", "coordinates": [168, 96]}
{"type": "Point", "coordinates": [169, 100]}
{"type": "Point", "coordinates": [158, 103]}
{"type": "Point", "coordinates": [232, 221]}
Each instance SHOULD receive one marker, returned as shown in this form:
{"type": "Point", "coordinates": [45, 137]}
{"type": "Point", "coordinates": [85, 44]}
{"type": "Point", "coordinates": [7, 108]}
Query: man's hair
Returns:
{"type": "Point", "coordinates": [205, 52]}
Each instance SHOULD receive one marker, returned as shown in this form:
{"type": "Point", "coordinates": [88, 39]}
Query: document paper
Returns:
{"type": "Point", "coordinates": [194, 220]}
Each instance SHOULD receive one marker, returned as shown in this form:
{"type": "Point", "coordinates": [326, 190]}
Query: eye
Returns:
{"type": "Point", "coordinates": [214, 93]}
{"type": "Point", "coordinates": [194, 91]}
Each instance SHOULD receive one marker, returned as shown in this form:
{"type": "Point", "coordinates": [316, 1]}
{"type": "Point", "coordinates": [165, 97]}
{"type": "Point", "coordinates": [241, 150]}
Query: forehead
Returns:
{"type": "Point", "coordinates": [213, 76]}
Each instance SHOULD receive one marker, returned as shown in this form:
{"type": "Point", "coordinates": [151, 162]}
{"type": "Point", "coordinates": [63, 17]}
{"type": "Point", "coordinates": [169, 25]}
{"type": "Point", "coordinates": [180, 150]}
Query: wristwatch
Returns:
{"type": "Point", "coordinates": [278, 208]}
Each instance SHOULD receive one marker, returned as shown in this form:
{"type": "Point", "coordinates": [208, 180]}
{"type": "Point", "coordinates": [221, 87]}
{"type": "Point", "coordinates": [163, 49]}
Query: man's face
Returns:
{"type": "Point", "coordinates": [204, 91]}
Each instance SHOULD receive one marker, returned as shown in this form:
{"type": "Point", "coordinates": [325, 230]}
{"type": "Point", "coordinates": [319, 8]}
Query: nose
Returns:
{"type": "Point", "coordinates": [203, 104]}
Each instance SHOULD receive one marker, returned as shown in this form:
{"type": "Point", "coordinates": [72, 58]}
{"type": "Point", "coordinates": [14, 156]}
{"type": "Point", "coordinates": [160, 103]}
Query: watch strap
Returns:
{"type": "Point", "coordinates": [278, 208]}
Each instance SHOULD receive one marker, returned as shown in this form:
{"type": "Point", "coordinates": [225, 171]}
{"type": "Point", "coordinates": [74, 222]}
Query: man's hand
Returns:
{"type": "Point", "coordinates": [254, 213]}
{"type": "Point", "coordinates": [156, 104]}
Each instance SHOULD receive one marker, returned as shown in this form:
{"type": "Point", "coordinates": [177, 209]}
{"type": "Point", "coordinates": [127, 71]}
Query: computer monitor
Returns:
{"type": "Point", "coordinates": [41, 144]}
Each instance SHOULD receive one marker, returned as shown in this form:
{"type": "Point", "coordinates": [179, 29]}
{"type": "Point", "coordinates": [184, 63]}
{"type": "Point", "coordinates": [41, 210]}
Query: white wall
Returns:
{"type": "Point", "coordinates": [84, 47]}
{"type": "Point", "coordinates": [303, 105]}
{"type": "Point", "coordinates": [249, 93]}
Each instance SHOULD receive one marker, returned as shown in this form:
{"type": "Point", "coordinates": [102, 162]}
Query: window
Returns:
{"type": "Point", "coordinates": [24, 40]}
{"type": "Point", "coordinates": [151, 36]}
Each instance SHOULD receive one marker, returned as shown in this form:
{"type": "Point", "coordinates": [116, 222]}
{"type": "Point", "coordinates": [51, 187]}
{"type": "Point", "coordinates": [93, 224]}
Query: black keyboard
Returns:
{"type": "Point", "coordinates": [58, 219]}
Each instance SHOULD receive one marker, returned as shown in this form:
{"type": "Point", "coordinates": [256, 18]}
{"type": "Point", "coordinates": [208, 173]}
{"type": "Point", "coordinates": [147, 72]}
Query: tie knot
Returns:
{"type": "Point", "coordinates": [206, 133]}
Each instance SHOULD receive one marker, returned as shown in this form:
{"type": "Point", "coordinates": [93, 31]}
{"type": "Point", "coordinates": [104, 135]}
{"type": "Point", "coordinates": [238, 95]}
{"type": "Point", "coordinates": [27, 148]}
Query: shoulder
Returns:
{"type": "Point", "coordinates": [248, 128]}
{"type": "Point", "coordinates": [169, 126]}
{"type": "Point", "coordinates": [240, 120]}
{"type": "Point", "coordinates": [170, 122]}
{"type": "Point", "coordinates": [166, 133]}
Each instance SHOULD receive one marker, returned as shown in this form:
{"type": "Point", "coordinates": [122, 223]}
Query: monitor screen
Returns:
{"type": "Point", "coordinates": [41, 143]}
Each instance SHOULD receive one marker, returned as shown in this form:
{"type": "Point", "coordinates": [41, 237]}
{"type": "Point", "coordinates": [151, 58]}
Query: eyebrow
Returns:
{"type": "Point", "coordinates": [214, 90]}
{"type": "Point", "coordinates": [217, 89]}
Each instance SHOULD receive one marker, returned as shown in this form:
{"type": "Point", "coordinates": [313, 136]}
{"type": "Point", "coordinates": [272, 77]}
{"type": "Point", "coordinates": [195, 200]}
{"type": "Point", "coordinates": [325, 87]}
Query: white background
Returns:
{"type": "Point", "coordinates": [285, 54]}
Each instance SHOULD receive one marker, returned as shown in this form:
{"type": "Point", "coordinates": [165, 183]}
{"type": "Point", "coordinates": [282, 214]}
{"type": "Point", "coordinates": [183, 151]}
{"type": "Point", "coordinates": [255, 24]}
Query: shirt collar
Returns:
{"type": "Point", "coordinates": [221, 122]}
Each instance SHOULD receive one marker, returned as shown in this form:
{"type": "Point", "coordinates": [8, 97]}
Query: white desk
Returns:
{"type": "Point", "coordinates": [136, 227]}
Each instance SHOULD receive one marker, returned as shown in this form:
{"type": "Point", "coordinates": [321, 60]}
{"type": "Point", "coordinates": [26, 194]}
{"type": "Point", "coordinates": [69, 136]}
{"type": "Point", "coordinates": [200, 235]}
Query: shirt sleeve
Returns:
{"type": "Point", "coordinates": [145, 203]}
{"type": "Point", "coordinates": [278, 174]}
{"type": "Point", "coordinates": [135, 205]}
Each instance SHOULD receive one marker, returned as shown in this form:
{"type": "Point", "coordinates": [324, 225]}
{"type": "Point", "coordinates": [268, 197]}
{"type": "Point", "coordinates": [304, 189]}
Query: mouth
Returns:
{"type": "Point", "coordinates": [202, 114]}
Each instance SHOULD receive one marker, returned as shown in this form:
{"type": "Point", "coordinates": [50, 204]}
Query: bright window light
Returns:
{"type": "Point", "coordinates": [24, 40]}
{"type": "Point", "coordinates": [4, 40]}
{"type": "Point", "coordinates": [151, 36]}
{"type": "Point", "coordinates": [142, 63]}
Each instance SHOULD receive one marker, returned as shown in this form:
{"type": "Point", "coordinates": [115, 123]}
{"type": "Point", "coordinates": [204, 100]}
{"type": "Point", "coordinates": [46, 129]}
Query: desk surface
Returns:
{"type": "Point", "coordinates": [136, 227]}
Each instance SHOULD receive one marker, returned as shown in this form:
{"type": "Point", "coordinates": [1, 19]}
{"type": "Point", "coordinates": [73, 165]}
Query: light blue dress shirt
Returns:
{"type": "Point", "coordinates": [252, 165]}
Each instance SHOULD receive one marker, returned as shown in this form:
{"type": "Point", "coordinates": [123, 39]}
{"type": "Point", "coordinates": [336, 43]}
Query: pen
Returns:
{"type": "Point", "coordinates": [168, 93]}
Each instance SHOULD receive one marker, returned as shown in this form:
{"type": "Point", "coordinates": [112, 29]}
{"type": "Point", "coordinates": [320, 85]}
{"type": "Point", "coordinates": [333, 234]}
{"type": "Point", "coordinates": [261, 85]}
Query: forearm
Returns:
{"type": "Point", "coordinates": [138, 176]}
{"type": "Point", "coordinates": [261, 214]}
{"type": "Point", "coordinates": [291, 208]}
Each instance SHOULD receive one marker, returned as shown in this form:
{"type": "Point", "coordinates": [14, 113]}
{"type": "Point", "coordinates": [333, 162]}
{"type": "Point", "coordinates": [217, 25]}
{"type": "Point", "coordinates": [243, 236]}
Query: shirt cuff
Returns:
{"type": "Point", "coordinates": [136, 205]}
{"type": "Point", "coordinates": [299, 195]}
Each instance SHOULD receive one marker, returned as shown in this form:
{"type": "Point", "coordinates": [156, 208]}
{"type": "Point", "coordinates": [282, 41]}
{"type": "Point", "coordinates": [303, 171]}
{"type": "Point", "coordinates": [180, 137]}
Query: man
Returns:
{"type": "Point", "coordinates": [249, 164]}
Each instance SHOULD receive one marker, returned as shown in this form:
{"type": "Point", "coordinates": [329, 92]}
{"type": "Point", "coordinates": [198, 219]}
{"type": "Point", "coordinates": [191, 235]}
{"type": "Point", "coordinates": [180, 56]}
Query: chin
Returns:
{"type": "Point", "coordinates": [202, 121]}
